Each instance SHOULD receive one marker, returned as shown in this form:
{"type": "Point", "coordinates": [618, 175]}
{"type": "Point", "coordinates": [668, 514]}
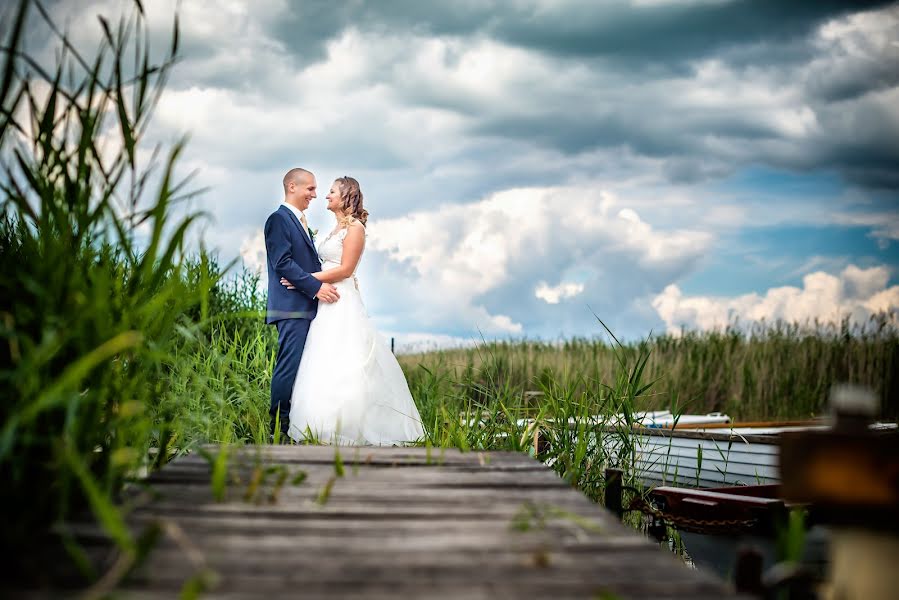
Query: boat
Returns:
{"type": "Point", "coordinates": [703, 457]}
{"type": "Point", "coordinates": [706, 451]}
{"type": "Point", "coordinates": [662, 448]}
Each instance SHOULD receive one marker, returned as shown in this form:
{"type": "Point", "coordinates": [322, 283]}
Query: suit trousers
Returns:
{"type": "Point", "coordinates": [291, 340]}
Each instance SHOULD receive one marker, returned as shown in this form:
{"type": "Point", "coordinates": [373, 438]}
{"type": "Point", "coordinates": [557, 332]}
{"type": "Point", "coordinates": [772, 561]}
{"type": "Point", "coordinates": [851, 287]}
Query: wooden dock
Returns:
{"type": "Point", "coordinates": [293, 521]}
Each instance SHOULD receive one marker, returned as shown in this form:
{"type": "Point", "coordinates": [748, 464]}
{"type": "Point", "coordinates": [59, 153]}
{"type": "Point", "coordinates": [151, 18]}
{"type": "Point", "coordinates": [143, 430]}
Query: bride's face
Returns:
{"type": "Point", "coordinates": [334, 198]}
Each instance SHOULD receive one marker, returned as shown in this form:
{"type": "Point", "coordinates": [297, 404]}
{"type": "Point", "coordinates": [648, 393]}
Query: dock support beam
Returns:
{"type": "Point", "coordinates": [613, 492]}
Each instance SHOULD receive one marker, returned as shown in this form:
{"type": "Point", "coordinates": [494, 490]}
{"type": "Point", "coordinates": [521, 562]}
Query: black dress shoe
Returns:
{"type": "Point", "coordinates": [285, 438]}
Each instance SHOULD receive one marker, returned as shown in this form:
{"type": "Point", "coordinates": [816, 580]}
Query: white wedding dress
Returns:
{"type": "Point", "coordinates": [349, 389]}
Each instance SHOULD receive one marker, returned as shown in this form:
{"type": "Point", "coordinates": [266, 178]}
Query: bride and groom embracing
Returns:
{"type": "Point", "coordinates": [335, 380]}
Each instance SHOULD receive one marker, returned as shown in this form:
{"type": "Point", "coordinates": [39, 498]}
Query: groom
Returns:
{"type": "Point", "coordinates": [291, 254]}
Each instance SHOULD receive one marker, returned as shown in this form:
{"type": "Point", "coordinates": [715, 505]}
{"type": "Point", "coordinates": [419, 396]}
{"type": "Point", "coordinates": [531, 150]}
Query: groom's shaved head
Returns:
{"type": "Point", "coordinates": [294, 175]}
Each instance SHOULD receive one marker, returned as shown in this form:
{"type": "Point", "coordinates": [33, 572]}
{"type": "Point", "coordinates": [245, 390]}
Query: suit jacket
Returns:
{"type": "Point", "coordinates": [290, 254]}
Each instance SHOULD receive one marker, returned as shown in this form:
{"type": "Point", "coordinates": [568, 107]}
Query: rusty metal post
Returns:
{"type": "Point", "coordinates": [613, 492]}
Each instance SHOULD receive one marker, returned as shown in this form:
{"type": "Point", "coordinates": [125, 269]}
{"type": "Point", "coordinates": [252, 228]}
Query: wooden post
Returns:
{"type": "Point", "coordinates": [748, 571]}
{"type": "Point", "coordinates": [613, 492]}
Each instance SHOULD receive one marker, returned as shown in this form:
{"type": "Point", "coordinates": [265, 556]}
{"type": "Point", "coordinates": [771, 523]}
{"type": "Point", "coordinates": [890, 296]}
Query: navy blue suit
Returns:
{"type": "Point", "coordinates": [290, 254]}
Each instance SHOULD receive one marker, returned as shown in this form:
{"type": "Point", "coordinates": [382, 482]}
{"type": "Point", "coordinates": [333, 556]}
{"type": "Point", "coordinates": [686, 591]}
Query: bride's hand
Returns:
{"type": "Point", "coordinates": [287, 284]}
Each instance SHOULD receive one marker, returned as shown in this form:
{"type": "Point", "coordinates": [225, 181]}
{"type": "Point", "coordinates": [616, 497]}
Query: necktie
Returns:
{"type": "Point", "coordinates": [305, 224]}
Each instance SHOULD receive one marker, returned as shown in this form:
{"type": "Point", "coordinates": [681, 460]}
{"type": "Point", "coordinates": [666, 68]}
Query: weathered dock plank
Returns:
{"type": "Point", "coordinates": [398, 523]}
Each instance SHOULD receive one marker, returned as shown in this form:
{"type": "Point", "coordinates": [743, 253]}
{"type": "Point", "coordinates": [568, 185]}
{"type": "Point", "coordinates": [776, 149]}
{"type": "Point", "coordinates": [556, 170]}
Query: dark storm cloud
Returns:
{"type": "Point", "coordinates": [654, 38]}
{"type": "Point", "coordinates": [634, 63]}
{"type": "Point", "coordinates": [652, 33]}
{"type": "Point", "coordinates": [631, 47]}
{"type": "Point", "coordinates": [638, 44]}
{"type": "Point", "coordinates": [572, 133]}
{"type": "Point", "coordinates": [646, 37]}
{"type": "Point", "coordinates": [307, 27]}
{"type": "Point", "coordinates": [669, 33]}
{"type": "Point", "coordinates": [850, 84]}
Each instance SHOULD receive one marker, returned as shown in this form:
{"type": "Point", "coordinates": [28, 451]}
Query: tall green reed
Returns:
{"type": "Point", "coordinates": [219, 389]}
{"type": "Point", "coordinates": [93, 293]}
{"type": "Point", "coordinates": [769, 371]}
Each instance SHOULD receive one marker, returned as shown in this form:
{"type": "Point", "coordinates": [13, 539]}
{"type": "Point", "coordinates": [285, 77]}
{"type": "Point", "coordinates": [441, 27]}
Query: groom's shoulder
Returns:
{"type": "Point", "coordinates": [277, 214]}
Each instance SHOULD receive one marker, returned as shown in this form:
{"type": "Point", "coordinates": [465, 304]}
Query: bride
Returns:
{"type": "Point", "coordinates": [349, 388]}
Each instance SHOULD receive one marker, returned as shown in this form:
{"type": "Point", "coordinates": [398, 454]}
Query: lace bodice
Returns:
{"type": "Point", "coordinates": [330, 250]}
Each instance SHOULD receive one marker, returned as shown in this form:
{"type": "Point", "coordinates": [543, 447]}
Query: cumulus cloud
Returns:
{"type": "Point", "coordinates": [483, 266]}
{"type": "Point", "coordinates": [854, 293]}
{"type": "Point", "coordinates": [553, 295]}
{"type": "Point", "coordinates": [253, 254]}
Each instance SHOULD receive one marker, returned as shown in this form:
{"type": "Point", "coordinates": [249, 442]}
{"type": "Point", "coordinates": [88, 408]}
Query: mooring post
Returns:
{"type": "Point", "coordinates": [613, 491]}
{"type": "Point", "coordinates": [748, 571]}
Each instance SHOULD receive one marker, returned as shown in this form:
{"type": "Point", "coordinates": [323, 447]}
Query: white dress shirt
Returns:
{"type": "Point", "coordinates": [299, 215]}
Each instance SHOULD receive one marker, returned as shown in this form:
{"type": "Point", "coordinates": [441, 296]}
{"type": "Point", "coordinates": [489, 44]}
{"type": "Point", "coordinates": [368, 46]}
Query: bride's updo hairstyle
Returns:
{"type": "Point", "coordinates": [351, 195]}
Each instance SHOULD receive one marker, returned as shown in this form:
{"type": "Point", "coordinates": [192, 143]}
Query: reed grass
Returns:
{"type": "Point", "coordinates": [771, 371]}
{"type": "Point", "coordinates": [95, 298]}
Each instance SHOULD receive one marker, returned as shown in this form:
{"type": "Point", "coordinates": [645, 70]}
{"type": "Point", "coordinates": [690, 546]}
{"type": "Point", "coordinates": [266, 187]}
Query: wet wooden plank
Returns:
{"type": "Point", "coordinates": [399, 522]}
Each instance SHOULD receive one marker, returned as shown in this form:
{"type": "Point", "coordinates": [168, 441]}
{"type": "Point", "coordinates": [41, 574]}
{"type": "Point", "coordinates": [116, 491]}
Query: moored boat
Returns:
{"type": "Point", "coordinates": [712, 454]}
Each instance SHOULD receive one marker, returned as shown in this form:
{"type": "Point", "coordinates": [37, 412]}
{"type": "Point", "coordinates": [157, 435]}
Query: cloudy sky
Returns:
{"type": "Point", "coordinates": [528, 163]}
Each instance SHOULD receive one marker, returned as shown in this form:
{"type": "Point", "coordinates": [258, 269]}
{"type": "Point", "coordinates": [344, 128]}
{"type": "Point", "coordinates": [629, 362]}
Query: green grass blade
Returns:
{"type": "Point", "coordinates": [12, 48]}
{"type": "Point", "coordinates": [102, 507]}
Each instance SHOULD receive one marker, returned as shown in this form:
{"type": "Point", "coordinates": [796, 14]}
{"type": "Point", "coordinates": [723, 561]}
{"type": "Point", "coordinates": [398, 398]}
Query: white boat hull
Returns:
{"type": "Point", "coordinates": [670, 458]}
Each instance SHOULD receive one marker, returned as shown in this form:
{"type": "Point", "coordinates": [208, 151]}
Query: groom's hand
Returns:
{"type": "Point", "coordinates": [328, 293]}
